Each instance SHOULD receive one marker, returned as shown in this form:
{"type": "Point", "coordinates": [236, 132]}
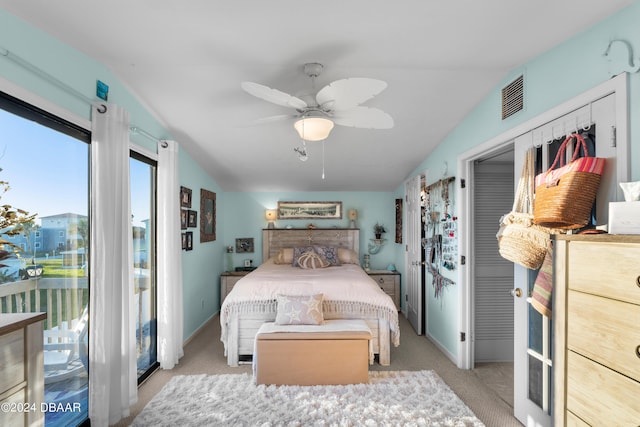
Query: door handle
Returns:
{"type": "Point", "coordinates": [517, 292]}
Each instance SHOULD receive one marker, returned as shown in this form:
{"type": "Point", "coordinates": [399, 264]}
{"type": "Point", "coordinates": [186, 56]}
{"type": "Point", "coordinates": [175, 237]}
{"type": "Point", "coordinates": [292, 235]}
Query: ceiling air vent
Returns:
{"type": "Point", "coordinates": [513, 97]}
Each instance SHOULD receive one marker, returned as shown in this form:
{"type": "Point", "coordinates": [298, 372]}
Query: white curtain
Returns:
{"type": "Point", "coordinates": [112, 347]}
{"type": "Point", "coordinates": [170, 309]}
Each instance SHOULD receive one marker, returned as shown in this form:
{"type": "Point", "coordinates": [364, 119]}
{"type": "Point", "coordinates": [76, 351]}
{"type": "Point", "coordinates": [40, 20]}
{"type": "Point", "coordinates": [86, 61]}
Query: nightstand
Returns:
{"type": "Point", "coordinates": [227, 280]}
{"type": "Point", "coordinates": [389, 282]}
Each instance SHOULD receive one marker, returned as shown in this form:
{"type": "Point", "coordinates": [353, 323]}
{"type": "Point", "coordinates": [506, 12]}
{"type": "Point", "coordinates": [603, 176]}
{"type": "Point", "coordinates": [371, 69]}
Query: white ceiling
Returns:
{"type": "Point", "coordinates": [185, 60]}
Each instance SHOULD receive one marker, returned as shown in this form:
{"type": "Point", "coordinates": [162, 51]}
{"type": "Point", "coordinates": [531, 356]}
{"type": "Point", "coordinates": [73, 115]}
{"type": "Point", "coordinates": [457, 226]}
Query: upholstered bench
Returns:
{"type": "Point", "coordinates": [336, 352]}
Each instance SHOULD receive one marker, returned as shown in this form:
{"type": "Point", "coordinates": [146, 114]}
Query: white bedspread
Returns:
{"type": "Point", "coordinates": [348, 292]}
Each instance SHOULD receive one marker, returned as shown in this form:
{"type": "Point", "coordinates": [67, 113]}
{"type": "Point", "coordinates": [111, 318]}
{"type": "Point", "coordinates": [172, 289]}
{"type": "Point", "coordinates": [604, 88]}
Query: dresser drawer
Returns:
{"type": "Point", "coordinates": [12, 364]}
{"type": "Point", "coordinates": [14, 417]}
{"type": "Point", "coordinates": [606, 331]}
{"type": "Point", "coordinates": [389, 283]}
{"type": "Point", "coordinates": [600, 396]}
{"type": "Point", "coordinates": [608, 269]}
{"type": "Point", "coordinates": [573, 421]}
{"type": "Point", "coordinates": [386, 281]}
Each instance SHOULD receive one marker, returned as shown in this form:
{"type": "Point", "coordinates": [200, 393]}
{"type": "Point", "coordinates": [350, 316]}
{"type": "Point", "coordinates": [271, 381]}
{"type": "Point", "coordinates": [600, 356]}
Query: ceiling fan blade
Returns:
{"type": "Point", "coordinates": [364, 117]}
{"type": "Point", "coordinates": [273, 95]}
{"type": "Point", "coordinates": [271, 119]}
{"type": "Point", "coordinates": [348, 93]}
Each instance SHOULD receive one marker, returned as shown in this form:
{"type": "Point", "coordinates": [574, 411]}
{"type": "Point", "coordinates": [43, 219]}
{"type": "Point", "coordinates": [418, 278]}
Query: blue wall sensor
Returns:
{"type": "Point", "coordinates": [102, 90]}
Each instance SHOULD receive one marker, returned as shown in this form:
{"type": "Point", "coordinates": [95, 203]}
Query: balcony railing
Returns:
{"type": "Point", "coordinates": [63, 299]}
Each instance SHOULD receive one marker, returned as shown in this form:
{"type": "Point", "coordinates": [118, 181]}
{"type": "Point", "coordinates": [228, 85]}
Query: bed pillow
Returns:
{"type": "Point", "coordinates": [285, 256]}
{"type": "Point", "coordinates": [299, 310]}
{"type": "Point", "coordinates": [312, 260]}
{"type": "Point", "coordinates": [297, 253]}
{"type": "Point", "coordinates": [347, 256]}
{"type": "Point", "coordinates": [329, 253]}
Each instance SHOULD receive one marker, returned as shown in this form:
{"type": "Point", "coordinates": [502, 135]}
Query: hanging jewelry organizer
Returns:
{"type": "Point", "coordinates": [441, 233]}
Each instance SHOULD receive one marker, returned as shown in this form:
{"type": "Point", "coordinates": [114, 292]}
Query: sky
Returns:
{"type": "Point", "coordinates": [48, 173]}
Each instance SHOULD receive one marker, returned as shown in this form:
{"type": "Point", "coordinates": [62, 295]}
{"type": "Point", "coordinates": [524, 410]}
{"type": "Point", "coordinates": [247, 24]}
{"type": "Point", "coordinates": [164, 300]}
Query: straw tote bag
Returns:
{"type": "Point", "coordinates": [565, 196]}
{"type": "Point", "coordinates": [520, 240]}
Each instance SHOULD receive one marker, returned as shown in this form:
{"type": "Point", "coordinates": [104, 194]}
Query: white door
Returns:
{"type": "Point", "coordinates": [414, 254]}
{"type": "Point", "coordinates": [533, 332]}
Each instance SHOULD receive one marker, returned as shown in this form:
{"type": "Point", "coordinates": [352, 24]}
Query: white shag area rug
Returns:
{"type": "Point", "coordinates": [391, 398]}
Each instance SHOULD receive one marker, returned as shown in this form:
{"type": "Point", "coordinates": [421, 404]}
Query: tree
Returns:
{"type": "Point", "coordinates": [13, 221]}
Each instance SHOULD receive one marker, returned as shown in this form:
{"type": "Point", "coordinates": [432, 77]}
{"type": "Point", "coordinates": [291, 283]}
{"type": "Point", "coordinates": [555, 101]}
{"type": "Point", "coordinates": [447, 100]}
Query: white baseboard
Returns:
{"type": "Point", "coordinates": [197, 331]}
{"type": "Point", "coordinates": [442, 348]}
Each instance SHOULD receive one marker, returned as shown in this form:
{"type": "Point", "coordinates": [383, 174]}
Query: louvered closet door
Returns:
{"type": "Point", "coordinates": [493, 278]}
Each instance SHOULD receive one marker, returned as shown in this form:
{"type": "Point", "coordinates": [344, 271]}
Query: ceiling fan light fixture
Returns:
{"type": "Point", "coordinates": [313, 128]}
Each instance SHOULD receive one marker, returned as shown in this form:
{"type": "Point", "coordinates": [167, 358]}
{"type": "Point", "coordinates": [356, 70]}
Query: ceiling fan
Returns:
{"type": "Point", "coordinates": [336, 103]}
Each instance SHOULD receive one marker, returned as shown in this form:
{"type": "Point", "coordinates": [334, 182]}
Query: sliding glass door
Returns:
{"type": "Point", "coordinates": [44, 170]}
{"type": "Point", "coordinates": [143, 222]}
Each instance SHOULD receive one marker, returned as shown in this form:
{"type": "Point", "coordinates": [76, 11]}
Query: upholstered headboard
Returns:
{"type": "Point", "coordinates": [278, 238]}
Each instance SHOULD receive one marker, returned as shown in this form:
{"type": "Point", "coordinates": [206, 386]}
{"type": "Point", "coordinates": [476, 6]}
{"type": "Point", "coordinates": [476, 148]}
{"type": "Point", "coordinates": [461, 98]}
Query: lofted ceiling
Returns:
{"type": "Point", "coordinates": [185, 61]}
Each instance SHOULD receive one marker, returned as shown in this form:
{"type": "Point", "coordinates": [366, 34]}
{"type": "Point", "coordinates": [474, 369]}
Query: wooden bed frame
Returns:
{"type": "Point", "coordinates": [241, 330]}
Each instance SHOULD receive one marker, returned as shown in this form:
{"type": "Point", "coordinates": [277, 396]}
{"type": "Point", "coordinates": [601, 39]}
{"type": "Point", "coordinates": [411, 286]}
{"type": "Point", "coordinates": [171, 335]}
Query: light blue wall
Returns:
{"type": "Point", "coordinates": [550, 79]}
{"type": "Point", "coordinates": [81, 72]}
{"type": "Point", "coordinates": [243, 215]}
{"type": "Point", "coordinates": [238, 214]}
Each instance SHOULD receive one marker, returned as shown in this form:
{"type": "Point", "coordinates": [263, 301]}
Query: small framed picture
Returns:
{"type": "Point", "coordinates": [185, 197]}
{"type": "Point", "coordinates": [189, 240]}
{"type": "Point", "coordinates": [192, 219]}
{"type": "Point", "coordinates": [244, 245]}
{"type": "Point", "coordinates": [183, 219]}
{"type": "Point", "coordinates": [184, 241]}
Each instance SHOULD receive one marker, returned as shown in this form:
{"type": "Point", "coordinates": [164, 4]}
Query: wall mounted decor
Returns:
{"type": "Point", "coordinates": [207, 216]}
{"type": "Point", "coordinates": [183, 219]}
{"type": "Point", "coordinates": [185, 197]}
{"type": "Point", "coordinates": [184, 241]}
{"type": "Point", "coordinates": [192, 218]}
{"type": "Point", "coordinates": [189, 240]}
{"type": "Point", "coordinates": [398, 220]}
{"type": "Point", "coordinates": [309, 210]}
{"type": "Point", "coordinates": [244, 245]}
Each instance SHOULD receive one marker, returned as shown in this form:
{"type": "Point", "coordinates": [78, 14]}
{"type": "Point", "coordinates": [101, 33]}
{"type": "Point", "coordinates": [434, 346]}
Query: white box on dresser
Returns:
{"type": "Point", "coordinates": [596, 315]}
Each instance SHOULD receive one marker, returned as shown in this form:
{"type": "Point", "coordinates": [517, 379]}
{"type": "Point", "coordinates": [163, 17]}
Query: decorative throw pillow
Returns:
{"type": "Point", "coordinates": [297, 253]}
{"type": "Point", "coordinates": [312, 260]}
{"type": "Point", "coordinates": [328, 253]}
{"type": "Point", "coordinates": [285, 256]}
{"type": "Point", "coordinates": [347, 256]}
{"type": "Point", "coordinates": [299, 310]}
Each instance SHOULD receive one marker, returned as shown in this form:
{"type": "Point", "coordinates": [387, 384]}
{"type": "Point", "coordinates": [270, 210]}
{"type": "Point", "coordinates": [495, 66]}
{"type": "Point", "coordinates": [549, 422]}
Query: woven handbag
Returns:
{"type": "Point", "coordinates": [564, 196]}
{"type": "Point", "coordinates": [520, 240]}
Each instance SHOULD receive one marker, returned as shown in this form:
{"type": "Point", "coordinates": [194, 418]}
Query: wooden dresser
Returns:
{"type": "Point", "coordinates": [21, 369]}
{"type": "Point", "coordinates": [596, 315]}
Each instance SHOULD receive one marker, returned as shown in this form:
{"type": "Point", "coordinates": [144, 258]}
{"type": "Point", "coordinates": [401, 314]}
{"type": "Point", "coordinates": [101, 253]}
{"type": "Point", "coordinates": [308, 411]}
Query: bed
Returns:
{"type": "Point", "coordinates": [349, 292]}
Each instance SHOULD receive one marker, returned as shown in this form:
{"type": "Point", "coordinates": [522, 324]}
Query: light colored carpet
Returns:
{"type": "Point", "coordinates": [406, 398]}
{"type": "Point", "coordinates": [204, 354]}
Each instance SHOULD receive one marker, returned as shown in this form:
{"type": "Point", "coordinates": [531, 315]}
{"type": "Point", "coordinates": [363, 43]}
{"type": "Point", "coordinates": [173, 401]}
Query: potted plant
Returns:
{"type": "Point", "coordinates": [378, 230]}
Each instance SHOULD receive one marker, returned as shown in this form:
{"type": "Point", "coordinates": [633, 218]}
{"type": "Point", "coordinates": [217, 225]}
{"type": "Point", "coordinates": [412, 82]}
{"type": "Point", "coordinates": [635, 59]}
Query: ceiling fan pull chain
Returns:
{"type": "Point", "coordinates": [322, 159]}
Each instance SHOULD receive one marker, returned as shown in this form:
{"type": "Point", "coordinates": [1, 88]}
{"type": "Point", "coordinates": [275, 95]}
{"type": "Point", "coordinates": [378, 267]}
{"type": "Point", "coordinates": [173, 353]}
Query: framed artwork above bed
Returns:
{"type": "Point", "coordinates": [309, 210]}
